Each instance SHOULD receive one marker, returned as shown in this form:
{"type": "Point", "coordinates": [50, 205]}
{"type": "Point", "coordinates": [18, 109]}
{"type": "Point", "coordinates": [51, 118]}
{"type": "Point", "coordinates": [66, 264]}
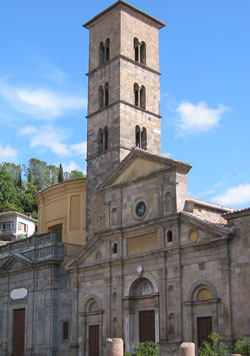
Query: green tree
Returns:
{"type": "Point", "coordinates": [73, 175]}
{"type": "Point", "coordinates": [37, 173]}
{"type": "Point", "coordinates": [60, 174]}
{"type": "Point", "coordinates": [15, 170]}
{"type": "Point", "coordinates": [215, 348]}
{"type": "Point", "coordinates": [52, 174]}
{"type": "Point", "coordinates": [8, 195]}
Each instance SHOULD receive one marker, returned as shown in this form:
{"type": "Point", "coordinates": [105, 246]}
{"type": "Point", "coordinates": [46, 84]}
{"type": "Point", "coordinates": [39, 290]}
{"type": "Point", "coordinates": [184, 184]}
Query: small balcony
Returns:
{"type": "Point", "coordinates": [37, 248]}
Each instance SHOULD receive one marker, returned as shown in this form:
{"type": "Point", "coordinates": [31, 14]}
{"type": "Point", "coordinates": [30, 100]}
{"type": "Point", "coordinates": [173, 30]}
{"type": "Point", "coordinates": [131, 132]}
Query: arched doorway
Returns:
{"type": "Point", "coordinates": [141, 313]}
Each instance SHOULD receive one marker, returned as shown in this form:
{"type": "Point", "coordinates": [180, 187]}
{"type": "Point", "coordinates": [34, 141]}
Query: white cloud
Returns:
{"type": "Point", "coordinates": [7, 153]}
{"type": "Point", "coordinates": [234, 196]}
{"type": "Point", "coordinates": [197, 118]}
{"type": "Point", "coordinates": [41, 103]}
{"type": "Point", "coordinates": [80, 148]}
{"type": "Point", "coordinates": [52, 138]}
{"type": "Point", "coordinates": [70, 166]}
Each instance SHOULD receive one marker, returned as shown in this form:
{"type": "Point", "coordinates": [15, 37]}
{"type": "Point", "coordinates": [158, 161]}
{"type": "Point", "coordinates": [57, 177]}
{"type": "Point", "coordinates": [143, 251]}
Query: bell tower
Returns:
{"type": "Point", "coordinates": [123, 88]}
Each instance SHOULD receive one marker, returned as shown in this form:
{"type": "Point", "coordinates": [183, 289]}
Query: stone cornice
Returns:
{"type": "Point", "coordinates": [125, 103]}
{"type": "Point", "coordinates": [127, 59]}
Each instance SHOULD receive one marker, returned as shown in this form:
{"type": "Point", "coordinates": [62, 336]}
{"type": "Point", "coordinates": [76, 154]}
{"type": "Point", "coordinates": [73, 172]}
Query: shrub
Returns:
{"type": "Point", "coordinates": [242, 347]}
{"type": "Point", "coordinates": [215, 348]}
{"type": "Point", "coordinates": [147, 348]}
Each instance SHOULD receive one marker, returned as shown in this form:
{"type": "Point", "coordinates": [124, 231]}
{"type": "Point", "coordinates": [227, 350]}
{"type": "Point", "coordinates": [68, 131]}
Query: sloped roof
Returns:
{"type": "Point", "coordinates": [137, 152]}
{"type": "Point", "coordinates": [201, 220]}
{"type": "Point", "coordinates": [124, 4]}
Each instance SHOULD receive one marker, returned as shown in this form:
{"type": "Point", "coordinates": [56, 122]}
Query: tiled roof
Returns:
{"type": "Point", "coordinates": [121, 2]}
{"type": "Point", "coordinates": [207, 222]}
{"type": "Point", "coordinates": [236, 213]}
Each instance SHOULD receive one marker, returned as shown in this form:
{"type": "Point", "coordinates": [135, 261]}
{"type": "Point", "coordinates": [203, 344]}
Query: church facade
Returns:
{"type": "Point", "coordinates": [125, 252]}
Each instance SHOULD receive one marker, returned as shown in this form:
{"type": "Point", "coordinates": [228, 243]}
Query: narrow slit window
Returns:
{"type": "Point", "coordinates": [100, 141]}
{"type": "Point", "coordinates": [169, 236]}
{"type": "Point", "coordinates": [101, 53]}
{"type": "Point", "coordinates": [143, 97]}
{"type": "Point", "coordinates": [136, 49]}
{"type": "Point", "coordinates": [65, 330]}
{"type": "Point", "coordinates": [114, 248]}
{"type": "Point", "coordinates": [143, 53]}
{"type": "Point", "coordinates": [138, 136]}
{"type": "Point", "coordinates": [100, 97]}
{"type": "Point", "coordinates": [107, 49]}
{"type": "Point", "coordinates": [105, 138]}
{"type": "Point", "coordinates": [136, 94]}
{"type": "Point", "coordinates": [106, 94]}
{"type": "Point", "coordinates": [144, 139]}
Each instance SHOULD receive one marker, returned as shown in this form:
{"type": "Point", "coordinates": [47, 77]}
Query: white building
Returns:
{"type": "Point", "coordinates": [14, 225]}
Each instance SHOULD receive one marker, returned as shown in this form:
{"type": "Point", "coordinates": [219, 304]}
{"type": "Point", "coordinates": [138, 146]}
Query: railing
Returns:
{"type": "Point", "coordinates": [32, 243]}
{"type": "Point", "coordinates": [6, 229]}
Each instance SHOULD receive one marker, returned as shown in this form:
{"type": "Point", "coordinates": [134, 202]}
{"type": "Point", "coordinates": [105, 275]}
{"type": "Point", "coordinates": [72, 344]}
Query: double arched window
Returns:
{"type": "Point", "coordinates": [102, 139]}
{"type": "Point", "coordinates": [103, 95]}
{"type": "Point", "coordinates": [141, 137]}
{"type": "Point", "coordinates": [140, 96]}
{"type": "Point", "coordinates": [104, 51]}
{"type": "Point", "coordinates": [139, 51]}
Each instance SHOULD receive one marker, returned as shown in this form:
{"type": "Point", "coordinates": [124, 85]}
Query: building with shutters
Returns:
{"type": "Point", "coordinates": [126, 252]}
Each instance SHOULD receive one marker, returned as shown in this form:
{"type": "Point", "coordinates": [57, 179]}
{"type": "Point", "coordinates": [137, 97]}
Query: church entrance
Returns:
{"type": "Point", "coordinates": [204, 329]}
{"type": "Point", "coordinates": [141, 313]}
{"type": "Point", "coordinates": [147, 325]}
{"type": "Point", "coordinates": [94, 340]}
{"type": "Point", "coordinates": [18, 332]}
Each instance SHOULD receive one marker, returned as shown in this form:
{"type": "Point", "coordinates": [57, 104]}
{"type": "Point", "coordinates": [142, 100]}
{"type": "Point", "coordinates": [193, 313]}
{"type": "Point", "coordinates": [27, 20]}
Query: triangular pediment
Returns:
{"type": "Point", "coordinates": [140, 163]}
{"type": "Point", "coordinates": [16, 262]}
{"type": "Point", "coordinates": [140, 166]}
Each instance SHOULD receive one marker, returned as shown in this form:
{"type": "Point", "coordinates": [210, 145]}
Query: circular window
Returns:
{"type": "Point", "coordinates": [140, 209]}
{"type": "Point", "coordinates": [193, 236]}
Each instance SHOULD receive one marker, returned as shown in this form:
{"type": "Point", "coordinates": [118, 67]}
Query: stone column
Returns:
{"type": "Point", "coordinates": [114, 347]}
{"type": "Point", "coordinates": [187, 349]}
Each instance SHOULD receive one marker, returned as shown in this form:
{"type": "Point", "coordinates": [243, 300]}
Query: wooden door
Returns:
{"type": "Point", "coordinates": [147, 325]}
{"type": "Point", "coordinates": [204, 328]}
{"type": "Point", "coordinates": [18, 332]}
{"type": "Point", "coordinates": [94, 340]}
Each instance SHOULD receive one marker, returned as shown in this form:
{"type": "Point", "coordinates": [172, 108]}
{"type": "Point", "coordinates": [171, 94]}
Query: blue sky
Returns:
{"type": "Point", "coordinates": [205, 87]}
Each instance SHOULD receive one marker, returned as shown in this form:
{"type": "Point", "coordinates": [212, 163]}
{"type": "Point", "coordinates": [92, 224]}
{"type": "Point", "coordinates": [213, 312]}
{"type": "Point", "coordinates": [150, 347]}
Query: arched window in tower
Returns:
{"type": "Point", "coordinates": [101, 53]}
{"type": "Point", "coordinates": [106, 89]}
{"type": "Point", "coordinates": [143, 53]}
{"type": "Point", "coordinates": [144, 139]}
{"type": "Point", "coordinates": [143, 97]}
{"type": "Point", "coordinates": [136, 94]}
{"type": "Point", "coordinates": [136, 49]}
{"type": "Point", "coordinates": [107, 49]}
{"type": "Point", "coordinates": [100, 97]}
{"type": "Point", "coordinates": [100, 141]}
{"type": "Point", "coordinates": [105, 134]}
{"type": "Point", "coordinates": [137, 136]}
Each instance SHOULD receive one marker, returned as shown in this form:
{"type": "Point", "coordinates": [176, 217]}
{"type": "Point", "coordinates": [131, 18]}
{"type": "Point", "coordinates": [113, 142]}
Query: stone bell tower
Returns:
{"type": "Point", "coordinates": [123, 88]}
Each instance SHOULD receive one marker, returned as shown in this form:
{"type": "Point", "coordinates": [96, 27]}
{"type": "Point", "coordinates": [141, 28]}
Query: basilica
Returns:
{"type": "Point", "coordinates": [125, 252]}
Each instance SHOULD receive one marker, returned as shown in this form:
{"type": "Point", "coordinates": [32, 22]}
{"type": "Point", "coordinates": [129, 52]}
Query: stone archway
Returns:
{"type": "Point", "coordinates": [202, 311]}
{"type": "Point", "coordinates": [141, 313]}
{"type": "Point", "coordinates": [93, 326]}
